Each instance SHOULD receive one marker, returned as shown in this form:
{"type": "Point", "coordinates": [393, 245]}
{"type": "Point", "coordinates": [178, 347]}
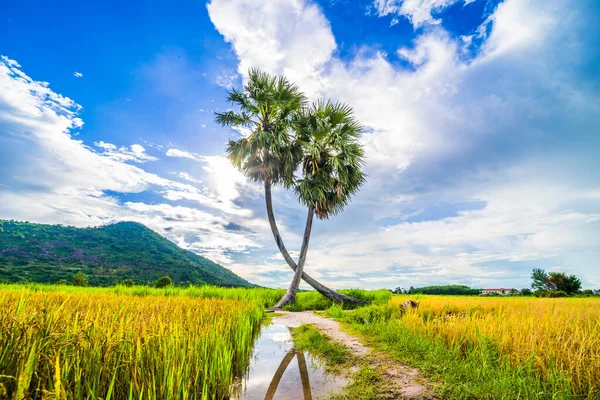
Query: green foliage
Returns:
{"type": "Point", "coordinates": [80, 279]}
{"type": "Point", "coordinates": [307, 338]}
{"type": "Point", "coordinates": [163, 282]}
{"type": "Point", "coordinates": [266, 106]}
{"type": "Point", "coordinates": [550, 293]}
{"type": "Point", "coordinates": [526, 292]}
{"type": "Point", "coordinates": [445, 290]}
{"type": "Point", "coordinates": [312, 300]}
{"type": "Point", "coordinates": [107, 255]}
{"type": "Point", "coordinates": [559, 281]}
{"type": "Point", "coordinates": [554, 282]}
{"type": "Point", "coordinates": [332, 159]}
{"type": "Point", "coordinates": [320, 140]}
{"type": "Point", "coordinates": [538, 279]}
{"type": "Point", "coordinates": [127, 283]}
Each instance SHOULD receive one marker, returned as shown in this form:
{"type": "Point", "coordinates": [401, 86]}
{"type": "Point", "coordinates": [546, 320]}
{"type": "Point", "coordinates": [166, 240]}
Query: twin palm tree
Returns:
{"type": "Point", "coordinates": [286, 136]}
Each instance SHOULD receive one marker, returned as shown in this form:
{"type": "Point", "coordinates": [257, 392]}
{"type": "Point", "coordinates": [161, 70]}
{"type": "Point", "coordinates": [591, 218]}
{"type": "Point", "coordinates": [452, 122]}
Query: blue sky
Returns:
{"type": "Point", "coordinates": [481, 130]}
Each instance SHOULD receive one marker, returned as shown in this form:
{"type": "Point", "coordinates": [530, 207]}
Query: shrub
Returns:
{"type": "Point", "coordinates": [127, 282]}
{"type": "Point", "coordinates": [550, 293]}
{"type": "Point", "coordinates": [163, 282]}
{"type": "Point", "coordinates": [80, 279]}
{"type": "Point", "coordinates": [62, 282]}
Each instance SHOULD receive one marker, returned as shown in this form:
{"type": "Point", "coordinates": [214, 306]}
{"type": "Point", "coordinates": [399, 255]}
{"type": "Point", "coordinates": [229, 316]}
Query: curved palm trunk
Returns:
{"type": "Point", "coordinates": [290, 295]}
{"type": "Point", "coordinates": [324, 290]}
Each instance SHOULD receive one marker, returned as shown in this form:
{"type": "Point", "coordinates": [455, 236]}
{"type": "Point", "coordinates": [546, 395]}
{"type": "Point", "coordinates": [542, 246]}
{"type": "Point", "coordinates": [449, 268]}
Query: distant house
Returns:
{"type": "Point", "coordinates": [501, 291]}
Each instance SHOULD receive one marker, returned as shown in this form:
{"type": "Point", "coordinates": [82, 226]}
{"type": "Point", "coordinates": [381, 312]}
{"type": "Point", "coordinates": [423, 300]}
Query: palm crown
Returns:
{"type": "Point", "coordinates": [266, 106]}
{"type": "Point", "coordinates": [332, 157]}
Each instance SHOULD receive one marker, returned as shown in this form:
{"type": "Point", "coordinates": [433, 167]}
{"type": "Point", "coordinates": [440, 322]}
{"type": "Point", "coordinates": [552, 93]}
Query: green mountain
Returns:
{"type": "Point", "coordinates": [107, 254]}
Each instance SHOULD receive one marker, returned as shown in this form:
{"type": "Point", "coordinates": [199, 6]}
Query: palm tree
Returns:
{"type": "Point", "coordinates": [331, 165]}
{"type": "Point", "coordinates": [270, 154]}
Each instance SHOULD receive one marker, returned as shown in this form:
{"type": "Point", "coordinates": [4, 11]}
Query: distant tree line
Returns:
{"type": "Point", "coordinates": [445, 290]}
{"type": "Point", "coordinates": [553, 284]}
{"type": "Point", "coordinates": [81, 279]}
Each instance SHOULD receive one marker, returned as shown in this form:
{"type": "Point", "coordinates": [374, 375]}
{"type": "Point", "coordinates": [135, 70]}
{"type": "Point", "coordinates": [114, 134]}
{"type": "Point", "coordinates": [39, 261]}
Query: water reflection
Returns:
{"type": "Point", "coordinates": [274, 375]}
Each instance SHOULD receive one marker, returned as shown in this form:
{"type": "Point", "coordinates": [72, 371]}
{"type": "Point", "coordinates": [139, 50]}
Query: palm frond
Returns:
{"type": "Point", "coordinates": [331, 169]}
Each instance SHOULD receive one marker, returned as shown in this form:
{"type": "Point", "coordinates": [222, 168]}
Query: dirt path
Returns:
{"type": "Point", "coordinates": [402, 381]}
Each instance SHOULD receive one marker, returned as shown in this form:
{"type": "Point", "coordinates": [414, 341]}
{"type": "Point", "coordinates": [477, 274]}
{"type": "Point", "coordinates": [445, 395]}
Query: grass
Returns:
{"type": "Point", "coordinates": [491, 348]}
{"type": "Point", "coordinates": [122, 344]}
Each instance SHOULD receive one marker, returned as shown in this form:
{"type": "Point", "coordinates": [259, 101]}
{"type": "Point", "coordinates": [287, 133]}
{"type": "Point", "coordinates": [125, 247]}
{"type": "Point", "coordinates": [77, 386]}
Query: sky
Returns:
{"type": "Point", "coordinates": [481, 131]}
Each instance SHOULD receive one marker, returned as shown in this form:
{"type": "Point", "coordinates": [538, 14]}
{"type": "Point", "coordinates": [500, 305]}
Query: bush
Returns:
{"type": "Point", "coordinates": [550, 293]}
{"type": "Point", "coordinates": [163, 282]}
{"type": "Point", "coordinates": [62, 282]}
{"type": "Point", "coordinates": [127, 282]}
{"type": "Point", "coordinates": [80, 279]}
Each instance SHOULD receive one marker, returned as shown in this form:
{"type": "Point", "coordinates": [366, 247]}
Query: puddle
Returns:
{"type": "Point", "coordinates": [278, 372]}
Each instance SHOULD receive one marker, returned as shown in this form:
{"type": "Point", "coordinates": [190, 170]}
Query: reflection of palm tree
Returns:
{"type": "Point", "coordinates": [304, 375]}
{"type": "Point", "coordinates": [279, 373]}
{"type": "Point", "coordinates": [282, 367]}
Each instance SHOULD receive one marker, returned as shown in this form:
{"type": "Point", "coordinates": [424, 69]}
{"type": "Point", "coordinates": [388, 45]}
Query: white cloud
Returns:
{"type": "Point", "coordinates": [291, 36]}
{"type": "Point", "coordinates": [193, 229]}
{"type": "Point", "coordinates": [77, 74]}
{"type": "Point", "coordinates": [182, 154]}
{"type": "Point", "coordinates": [104, 145]}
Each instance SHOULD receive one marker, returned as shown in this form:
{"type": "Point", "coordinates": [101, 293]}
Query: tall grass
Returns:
{"type": "Point", "coordinates": [263, 296]}
{"type": "Point", "coordinates": [492, 348]}
{"type": "Point", "coordinates": [66, 343]}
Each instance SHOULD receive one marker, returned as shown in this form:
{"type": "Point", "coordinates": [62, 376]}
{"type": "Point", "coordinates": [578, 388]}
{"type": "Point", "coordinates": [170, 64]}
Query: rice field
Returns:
{"type": "Point", "coordinates": [73, 343]}
{"type": "Point", "coordinates": [64, 342]}
{"type": "Point", "coordinates": [493, 347]}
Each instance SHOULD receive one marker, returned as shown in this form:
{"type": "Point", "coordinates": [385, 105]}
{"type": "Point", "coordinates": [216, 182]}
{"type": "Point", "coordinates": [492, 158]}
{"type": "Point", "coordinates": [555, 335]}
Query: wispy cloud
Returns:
{"type": "Point", "coordinates": [136, 152]}
{"type": "Point", "coordinates": [77, 74]}
{"type": "Point", "coordinates": [182, 154]}
{"type": "Point", "coordinates": [226, 80]}
{"type": "Point", "coordinates": [418, 12]}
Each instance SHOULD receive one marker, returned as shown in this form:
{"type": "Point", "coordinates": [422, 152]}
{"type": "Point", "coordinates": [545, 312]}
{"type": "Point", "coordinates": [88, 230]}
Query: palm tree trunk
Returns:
{"type": "Point", "coordinates": [324, 290]}
{"type": "Point", "coordinates": [290, 295]}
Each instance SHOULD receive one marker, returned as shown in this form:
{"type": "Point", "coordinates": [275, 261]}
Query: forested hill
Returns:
{"type": "Point", "coordinates": [107, 254]}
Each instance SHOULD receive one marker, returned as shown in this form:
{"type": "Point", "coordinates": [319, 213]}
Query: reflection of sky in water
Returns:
{"type": "Point", "coordinates": [270, 349]}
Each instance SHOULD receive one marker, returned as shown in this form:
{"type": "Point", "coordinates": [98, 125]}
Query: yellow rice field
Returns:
{"type": "Point", "coordinates": [558, 336]}
{"type": "Point", "coordinates": [82, 345]}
